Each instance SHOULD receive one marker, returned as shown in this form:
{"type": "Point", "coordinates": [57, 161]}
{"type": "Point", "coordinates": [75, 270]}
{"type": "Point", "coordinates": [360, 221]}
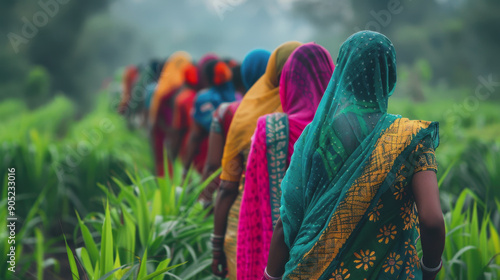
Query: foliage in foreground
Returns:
{"type": "Point", "coordinates": [147, 226]}
{"type": "Point", "coordinates": [39, 140]}
{"type": "Point", "coordinates": [55, 153]}
{"type": "Point", "coordinates": [163, 223]}
{"type": "Point", "coordinates": [472, 249]}
{"type": "Point", "coordinates": [58, 160]}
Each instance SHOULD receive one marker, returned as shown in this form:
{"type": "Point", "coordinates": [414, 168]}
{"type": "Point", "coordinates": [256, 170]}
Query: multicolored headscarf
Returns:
{"type": "Point", "coordinates": [261, 99]}
{"type": "Point", "coordinates": [303, 82]}
{"type": "Point", "coordinates": [221, 90]}
{"type": "Point", "coordinates": [335, 177]}
{"type": "Point", "coordinates": [202, 63]}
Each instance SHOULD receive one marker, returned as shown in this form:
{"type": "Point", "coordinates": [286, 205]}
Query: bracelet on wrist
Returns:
{"type": "Point", "coordinates": [217, 239]}
{"type": "Point", "coordinates": [430, 269]}
{"type": "Point", "coordinates": [269, 277]}
{"type": "Point", "coordinates": [215, 236]}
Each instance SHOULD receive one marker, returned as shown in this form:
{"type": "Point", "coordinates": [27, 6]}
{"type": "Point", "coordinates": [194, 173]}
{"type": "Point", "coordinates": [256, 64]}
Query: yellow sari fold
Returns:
{"type": "Point", "coordinates": [359, 197]}
{"type": "Point", "coordinates": [171, 78]}
{"type": "Point", "coordinates": [263, 98]}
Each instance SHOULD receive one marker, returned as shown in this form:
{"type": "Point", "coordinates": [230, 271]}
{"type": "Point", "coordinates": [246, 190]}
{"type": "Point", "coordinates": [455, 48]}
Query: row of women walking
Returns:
{"type": "Point", "coordinates": [318, 181]}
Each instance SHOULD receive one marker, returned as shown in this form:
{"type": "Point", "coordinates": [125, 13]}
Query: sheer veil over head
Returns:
{"type": "Point", "coordinates": [333, 147]}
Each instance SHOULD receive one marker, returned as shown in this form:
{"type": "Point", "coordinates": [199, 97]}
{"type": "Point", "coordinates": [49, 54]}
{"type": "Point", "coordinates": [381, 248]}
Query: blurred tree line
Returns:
{"type": "Point", "coordinates": [69, 46]}
{"type": "Point", "coordinates": [458, 38]}
{"type": "Point", "coordinates": [58, 46]}
{"type": "Point", "coordinates": [39, 56]}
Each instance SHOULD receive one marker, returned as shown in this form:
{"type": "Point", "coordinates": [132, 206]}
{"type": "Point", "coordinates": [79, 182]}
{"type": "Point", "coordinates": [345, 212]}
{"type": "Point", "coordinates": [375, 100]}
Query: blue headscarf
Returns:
{"type": "Point", "coordinates": [254, 66]}
{"type": "Point", "coordinates": [208, 100]}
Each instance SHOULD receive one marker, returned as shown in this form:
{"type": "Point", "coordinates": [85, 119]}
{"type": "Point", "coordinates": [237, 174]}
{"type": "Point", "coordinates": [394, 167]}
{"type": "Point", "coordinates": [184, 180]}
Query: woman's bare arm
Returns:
{"type": "Point", "coordinates": [278, 252]}
{"type": "Point", "coordinates": [228, 192]}
{"type": "Point", "coordinates": [432, 230]}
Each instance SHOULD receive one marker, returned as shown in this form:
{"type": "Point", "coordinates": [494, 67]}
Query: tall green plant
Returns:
{"type": "Point", "coordinates": [147, 226]}
{"type": "Point", "coordinates": [472, 244]}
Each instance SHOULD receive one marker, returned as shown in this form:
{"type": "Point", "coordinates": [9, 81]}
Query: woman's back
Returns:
{"type": "Point", "coordinates": [347, 205]}
{"type": "Point", "coordinates": [385, 245]}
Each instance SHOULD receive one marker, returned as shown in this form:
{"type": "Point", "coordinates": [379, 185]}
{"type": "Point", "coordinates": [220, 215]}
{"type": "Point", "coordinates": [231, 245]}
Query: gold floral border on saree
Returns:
{"type": "Point", "coordinates": [358, 199]}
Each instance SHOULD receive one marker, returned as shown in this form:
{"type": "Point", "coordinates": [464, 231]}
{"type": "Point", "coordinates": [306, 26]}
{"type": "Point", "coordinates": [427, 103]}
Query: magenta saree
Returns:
{"type": "Point", "coordinates": [303, 82]}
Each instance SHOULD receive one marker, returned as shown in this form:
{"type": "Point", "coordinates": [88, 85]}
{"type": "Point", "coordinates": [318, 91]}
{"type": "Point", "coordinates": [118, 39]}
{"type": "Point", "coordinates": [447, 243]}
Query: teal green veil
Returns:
{"type": "Point", "coordinates": [331, 151]}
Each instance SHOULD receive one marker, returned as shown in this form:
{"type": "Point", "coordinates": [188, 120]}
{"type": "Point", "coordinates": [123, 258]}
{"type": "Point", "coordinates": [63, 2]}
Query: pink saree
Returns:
{"type": "Point", "coordinates": [303, 82]}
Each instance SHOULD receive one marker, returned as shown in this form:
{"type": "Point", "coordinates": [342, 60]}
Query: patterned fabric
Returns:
{"type": "Point", "coordinates": [344, 166]}
{"type": "Point", "coordinates": [255, 225]}
{"type": "Point", "coordinates": [303, 81]}
{"type": "Point", "coordinates": [277, 153]}
{"type": "Point", "coordinates": [255, 230]}
{"type": "Point", "coordinates": [389, 228]}
{"type": "Point", "coordinates": [222, 118]}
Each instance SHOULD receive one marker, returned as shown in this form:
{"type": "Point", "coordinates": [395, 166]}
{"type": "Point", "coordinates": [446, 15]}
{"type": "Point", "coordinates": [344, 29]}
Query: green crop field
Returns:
{"type": "Point", "coordinates": [87, 202]}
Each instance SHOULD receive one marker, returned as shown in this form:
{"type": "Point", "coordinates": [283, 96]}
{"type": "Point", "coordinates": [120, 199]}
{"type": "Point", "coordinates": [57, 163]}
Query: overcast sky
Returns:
{"type": "Point", "coordinates": [228, 27]}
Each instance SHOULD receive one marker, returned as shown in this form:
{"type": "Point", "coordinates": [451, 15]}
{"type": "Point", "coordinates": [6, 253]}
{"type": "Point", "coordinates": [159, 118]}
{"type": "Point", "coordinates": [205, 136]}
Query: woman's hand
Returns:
{"type": "Point", "coordinates": [219, 264]}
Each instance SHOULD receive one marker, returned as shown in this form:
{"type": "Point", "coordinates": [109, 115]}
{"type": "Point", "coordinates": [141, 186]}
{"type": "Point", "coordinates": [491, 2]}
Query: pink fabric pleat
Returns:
{"type": "Point", "coordinates": [304, 79]}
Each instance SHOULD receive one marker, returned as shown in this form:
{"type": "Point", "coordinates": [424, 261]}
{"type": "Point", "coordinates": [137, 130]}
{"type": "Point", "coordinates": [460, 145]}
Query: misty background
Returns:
{"type": "Point", "coordinates": [82, 43]}
{"type": "Point", "coordinates": [61, 65]}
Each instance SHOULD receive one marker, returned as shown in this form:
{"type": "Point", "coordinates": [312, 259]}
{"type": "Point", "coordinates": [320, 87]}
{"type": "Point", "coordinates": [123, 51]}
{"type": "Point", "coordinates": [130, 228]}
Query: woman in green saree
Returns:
{"type": "Point", "coordinates": [358, 178]}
